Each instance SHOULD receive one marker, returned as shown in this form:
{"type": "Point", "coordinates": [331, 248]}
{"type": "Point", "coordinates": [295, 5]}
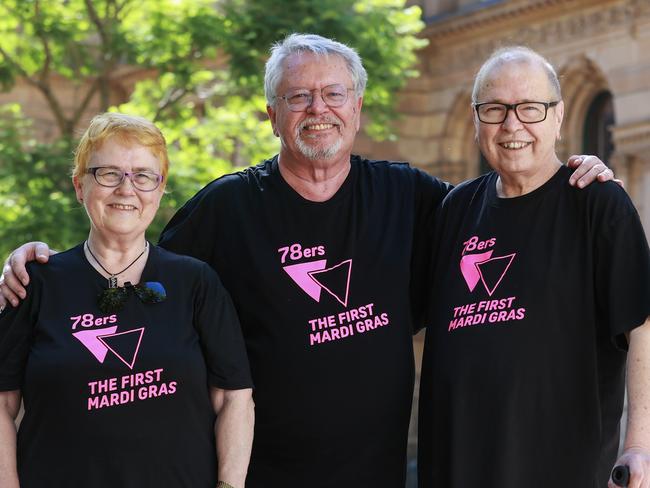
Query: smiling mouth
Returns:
{"type": "Point", "coordinates": [120, 206]}
{"type": "Point", "coordinates": [514, 145]}
{"type": "Point", "coordinates": [317, 127]}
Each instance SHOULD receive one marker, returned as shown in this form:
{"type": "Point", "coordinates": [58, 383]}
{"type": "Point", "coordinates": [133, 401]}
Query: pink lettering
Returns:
{"type": "Point", "coordinates": [101, 386]}
{"type": "Point", "coordinates": [473, 244]}
{"type": "Point", "coordinates": [314, 338]}
{"type": "Point", "coordinates": [322, 323]}
{"type": "Point", "coordinates": [464, 309]}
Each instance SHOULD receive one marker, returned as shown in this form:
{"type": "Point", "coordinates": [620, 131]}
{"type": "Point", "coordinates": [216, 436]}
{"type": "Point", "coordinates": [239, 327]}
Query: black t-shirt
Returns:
{"type": "Point", "coordinates": [323, 295]}
{"type": "Point", "coordinates": [522, 380]}
{"type": "Point", "coordinates": [120, 400]}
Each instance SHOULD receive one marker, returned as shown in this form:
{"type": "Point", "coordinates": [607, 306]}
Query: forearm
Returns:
{"type": "Point", "coordinates": [234, 436]}
{"type": "Point", "coordinates": [8, 467]}
{"type": "Point", "coordinates": [638, 389]}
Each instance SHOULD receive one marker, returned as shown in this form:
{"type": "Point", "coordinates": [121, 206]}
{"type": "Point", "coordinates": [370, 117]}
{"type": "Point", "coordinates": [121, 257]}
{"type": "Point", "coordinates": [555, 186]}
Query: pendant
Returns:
{"type": "Point", "coordinates": [112, 282]}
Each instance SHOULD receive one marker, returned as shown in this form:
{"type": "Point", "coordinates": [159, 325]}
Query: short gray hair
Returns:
{"type": "Point", "coordinates": [516, 54]}
{"type": "Point", "coordinates": [318, 45]}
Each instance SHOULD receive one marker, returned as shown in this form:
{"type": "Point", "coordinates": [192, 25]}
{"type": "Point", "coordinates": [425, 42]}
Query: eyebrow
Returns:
{"type": "Point", "coordinates": [498, 100]}
{"type": "Point", "coordinates": [140, 169]}
{"type": "Point", "coordinates": [312, 89]}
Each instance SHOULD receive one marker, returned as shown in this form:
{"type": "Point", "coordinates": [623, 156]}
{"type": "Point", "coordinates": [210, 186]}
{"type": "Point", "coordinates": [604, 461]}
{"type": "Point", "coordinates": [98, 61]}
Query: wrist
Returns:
{"type": "Point", "coordinates": [223, 484]}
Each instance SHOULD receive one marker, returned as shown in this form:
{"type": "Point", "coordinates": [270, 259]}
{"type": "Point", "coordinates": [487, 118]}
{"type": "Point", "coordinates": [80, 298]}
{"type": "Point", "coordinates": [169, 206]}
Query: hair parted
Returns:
{"type": "Point", "coordinates": [127, 129]}
{"type": "Point", "coordinates": [318, 45]}
{"type": "Point", "coordinates": [516, 54]}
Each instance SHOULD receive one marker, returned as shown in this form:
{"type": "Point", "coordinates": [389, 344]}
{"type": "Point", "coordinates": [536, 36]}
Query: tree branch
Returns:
{"type": "Point", "coordinates": [94, 17]}
{"type": "Point", "coordinates": [79, 111]}
{"type": "Point", "coordinates": [45, 72]}
{"type": "Point", "coordinates": [172, 97]}
{"type": "Point", "coordinates": [44, 88]}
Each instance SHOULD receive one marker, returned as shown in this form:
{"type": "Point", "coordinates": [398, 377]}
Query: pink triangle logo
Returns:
{"type": "Point", "coordinates": [125, 350]}
{"type": "Point", "coordinates": [335, 280]}
{"type": "Point", "coordinates": [89, 338]}
{"type": "Point", "coordinates": [502, 261]}
{"type": "Point", "coordinates": [300, 275]}
{"type": "Point", "coordinates": [470, 270]}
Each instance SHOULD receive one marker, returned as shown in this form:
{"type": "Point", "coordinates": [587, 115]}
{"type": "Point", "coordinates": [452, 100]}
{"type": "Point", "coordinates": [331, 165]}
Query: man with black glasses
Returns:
{"type": "Point", "coordinates": [539, 291]}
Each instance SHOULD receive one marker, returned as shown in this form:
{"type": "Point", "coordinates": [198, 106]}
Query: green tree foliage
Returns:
{"type": "Point", "coordinates": [37, 200]}
{"type": "Point", "coordinates": [204, 88]}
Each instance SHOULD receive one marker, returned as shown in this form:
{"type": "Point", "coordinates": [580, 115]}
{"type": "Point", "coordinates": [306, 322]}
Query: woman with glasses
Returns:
{"type": "Point", "coordinates": [129, 359]}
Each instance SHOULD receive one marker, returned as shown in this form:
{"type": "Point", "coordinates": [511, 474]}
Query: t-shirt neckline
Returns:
{"type": "Point", "coordinates": [496, 201]}
{"type": "Point", "coordinates": [288, 190]}
{"type": "Point", "coordinates": [101, 279]}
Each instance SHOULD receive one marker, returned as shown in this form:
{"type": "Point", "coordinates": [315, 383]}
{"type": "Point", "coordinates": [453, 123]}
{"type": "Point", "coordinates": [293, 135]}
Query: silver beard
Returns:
{"type": "Point", "coordinates": [314, 153]}
{"type": "Point", "coordinates": [318, 153]}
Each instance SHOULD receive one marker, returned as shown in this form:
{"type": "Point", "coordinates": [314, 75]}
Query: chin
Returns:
{"type": "Point", "coordinates": [316, 153]}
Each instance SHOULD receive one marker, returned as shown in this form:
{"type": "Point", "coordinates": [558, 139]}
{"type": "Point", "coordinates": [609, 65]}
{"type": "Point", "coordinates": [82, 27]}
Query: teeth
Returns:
{"type": "Point", "coordinates": [319, 127]}
{"type": "Point", "coordinates": [123, 207]}
{"type": "Point", "coordinates": [514, 145]}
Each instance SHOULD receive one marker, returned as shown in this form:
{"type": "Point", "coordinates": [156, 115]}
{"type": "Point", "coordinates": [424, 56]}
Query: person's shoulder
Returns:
{"type": "Point", "coordinates": [60, 259]}
{"type": "Point", "coordinates": [400, 170]}
{"type": "Point", "coordinates": [173, 261]}
{"type": "Point", "coordinates": [608, 199]}
{"type": "Point", "coordinates": [63, 263]}
{"type": "Point", "coordinates": [388, 167]}
{"type": "Point", "coordinates": [469, 188]}
{"type": "Point", "coordinates": [189, 267]}
{"type": "Point", "coordinates": [252, 175]}
{"type": "Point", "coordinates": [224, 187]}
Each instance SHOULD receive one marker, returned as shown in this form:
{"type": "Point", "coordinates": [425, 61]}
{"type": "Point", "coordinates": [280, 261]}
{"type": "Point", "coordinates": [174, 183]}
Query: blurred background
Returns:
{"type": "Point", "coordinates": [196, 67]}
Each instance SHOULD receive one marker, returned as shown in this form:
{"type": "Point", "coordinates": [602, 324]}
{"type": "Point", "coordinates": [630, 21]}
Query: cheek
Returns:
{"type": "Point", "coordinates": [485, 138]}
{"type": "Point", "coordinates": [153, 203]}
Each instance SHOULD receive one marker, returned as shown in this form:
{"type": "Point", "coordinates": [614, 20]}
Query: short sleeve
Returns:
{"type": "Point", "coordinates": [16, 337]}
{"type": "Point", "coordinates": [623, 276]}
{"type": "Point", "coordinates": [192, 230]}
{"type": "Point", "coordinates": [220, 335]}
{"type": "Point", "coordinates": [429, 193]}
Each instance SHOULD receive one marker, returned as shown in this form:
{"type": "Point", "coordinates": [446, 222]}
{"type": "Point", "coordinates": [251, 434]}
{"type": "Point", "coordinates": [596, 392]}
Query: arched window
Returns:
{"type": "Point", "coordinates": [597, 136]}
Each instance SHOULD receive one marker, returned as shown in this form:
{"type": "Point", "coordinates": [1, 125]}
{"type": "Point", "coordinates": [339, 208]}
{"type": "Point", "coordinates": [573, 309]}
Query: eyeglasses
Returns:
{"type": "Point", "coordinates": [526, 112]}
{"type": "Point", "coordinates": [112, 300]}
{"type": "Point", "coordinates": [333, 96]}
{"type": "Point", "coordinates": [113, 177]}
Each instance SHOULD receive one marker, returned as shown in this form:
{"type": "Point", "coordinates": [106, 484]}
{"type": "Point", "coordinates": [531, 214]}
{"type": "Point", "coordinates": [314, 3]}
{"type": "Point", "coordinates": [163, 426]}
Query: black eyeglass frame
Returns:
{"type": "Point", "coordinates": [513, 107]}
{"type": "Point", "coordinates": [125, 174]}
{"type": "Point", "coordinates": [311, 97]}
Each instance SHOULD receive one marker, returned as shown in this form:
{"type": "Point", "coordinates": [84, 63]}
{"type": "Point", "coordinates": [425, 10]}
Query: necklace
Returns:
{"type": "Point", "coordinates": [112, 279]}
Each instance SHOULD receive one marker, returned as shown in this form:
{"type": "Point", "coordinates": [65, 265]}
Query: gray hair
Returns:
{"type": "Point", "coordinates": [318, 45]}
{"type": "Point", "coordinates": [520, 55]}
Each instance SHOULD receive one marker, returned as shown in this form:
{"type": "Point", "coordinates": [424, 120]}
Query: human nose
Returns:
{"type": "Point", "coordinates": [126, 185]}
{"type": "Point", "coordinates": [317, 104]}
{"type": "Point", "coordinates": [512, 122]}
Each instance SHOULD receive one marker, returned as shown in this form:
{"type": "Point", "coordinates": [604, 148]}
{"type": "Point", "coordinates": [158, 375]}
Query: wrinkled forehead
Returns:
{"type": "Point", "coordinates": [311, 70]}
{"type": "Point", "coordinates": [515, 80]}
{"type": "Point", "coordinates": [122, 148]}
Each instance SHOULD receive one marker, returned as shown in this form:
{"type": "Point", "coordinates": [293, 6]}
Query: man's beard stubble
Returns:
{"type": "Point", "coordinates": [318, 153]}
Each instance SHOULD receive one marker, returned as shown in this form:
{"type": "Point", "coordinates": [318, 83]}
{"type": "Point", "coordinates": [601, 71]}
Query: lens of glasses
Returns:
{"type": "Point", "coordinates": [531, 112]}
{"type": "Point", "coordinates": [333, 96]}
{"type": "Point", "coordinates": [111, 177]}
{"type": "Point", "coordinates": [527, 112]}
